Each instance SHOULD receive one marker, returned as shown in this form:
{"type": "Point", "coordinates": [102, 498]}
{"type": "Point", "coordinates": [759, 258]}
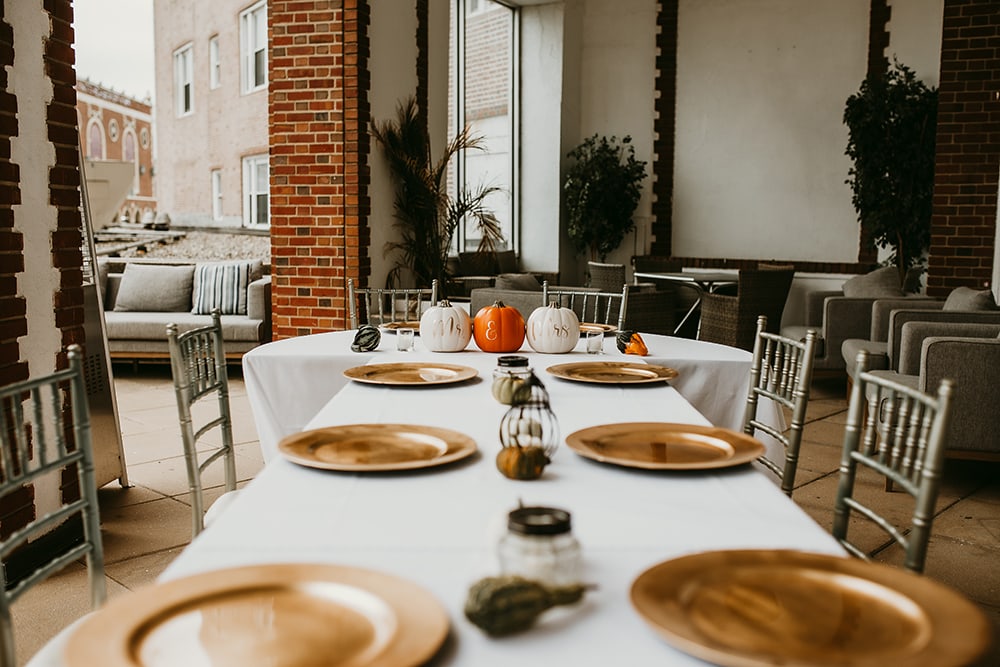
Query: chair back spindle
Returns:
{"type": "Point", "coordinates": [45, 432]}
{"type": "Point", "coordinates": [899, 434]}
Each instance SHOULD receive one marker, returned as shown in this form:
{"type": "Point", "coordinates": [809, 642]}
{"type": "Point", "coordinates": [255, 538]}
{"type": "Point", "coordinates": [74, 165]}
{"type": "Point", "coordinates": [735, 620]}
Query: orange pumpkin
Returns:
{"type": "Point", "coordinates": [498, 328]}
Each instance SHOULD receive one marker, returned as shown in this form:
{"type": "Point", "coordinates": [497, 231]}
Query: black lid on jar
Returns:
{"type": "Point", "coordinates": [512, 361]}
{"type": "Point", "coordinates": [538, 521]}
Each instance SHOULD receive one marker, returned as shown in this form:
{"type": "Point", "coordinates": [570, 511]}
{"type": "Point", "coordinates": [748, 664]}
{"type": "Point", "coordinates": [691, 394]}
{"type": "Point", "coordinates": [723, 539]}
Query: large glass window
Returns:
{"type": "Point", "coordinates": [253, 47]}
{"type": "Point", "coordinates": [95, 140]}
{"type": "Point", "coordinates": [214, 66]}
{"type": "Point", "coordinates": [184, 80]}
{"type": "Point", "coordinates": [255, 189]}
{"type": "Point", "coordinates": [483, 97]}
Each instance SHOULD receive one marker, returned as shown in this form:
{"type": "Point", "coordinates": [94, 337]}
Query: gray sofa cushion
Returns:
{"type": "Point", "coordinates": [155, 288]}
{"type": "Point", "coordinates": [878, 283]}
{"type": "Point", "coordinates": [153, 325]}
{"type": "Point", "coordinates": [518, 281]}
{"type": "Point", "coordinates": [221, 285]}
{"type": "Point", "coordinates": [966, 298]}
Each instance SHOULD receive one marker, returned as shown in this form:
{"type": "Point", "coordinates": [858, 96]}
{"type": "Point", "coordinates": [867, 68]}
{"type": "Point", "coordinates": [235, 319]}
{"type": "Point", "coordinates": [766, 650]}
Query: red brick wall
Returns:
{"type": "Point", "coordinates": [318, 117]}
{"type": "Point", "coordinates": [663, 128]}
{"type": "Point", "coordinates": [968, 147]}
{"type": "Point", "coordinates": [63, 198]}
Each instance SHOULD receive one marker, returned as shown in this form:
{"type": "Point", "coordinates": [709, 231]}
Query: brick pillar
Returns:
{"type": "Point", "coordinates": [318, 117]}
{"type": "Point", "coordinates": [64, 176]}
{"type": "Point", "coordinates": [664, 124]}
{"type": "Point", "coordinates": [963, 225]}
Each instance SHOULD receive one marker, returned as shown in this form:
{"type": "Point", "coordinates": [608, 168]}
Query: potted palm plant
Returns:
{"type": "Point", "coordinates": [426, 213]}
{"type": "Point", "coordinates": [602, 190]}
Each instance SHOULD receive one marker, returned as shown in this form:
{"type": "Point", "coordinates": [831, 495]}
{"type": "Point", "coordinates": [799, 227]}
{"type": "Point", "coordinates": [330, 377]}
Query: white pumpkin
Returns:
{"type": "Point", "coordinates": [445, 328]}
{"type": "Point", "coordinates": [553, 329]}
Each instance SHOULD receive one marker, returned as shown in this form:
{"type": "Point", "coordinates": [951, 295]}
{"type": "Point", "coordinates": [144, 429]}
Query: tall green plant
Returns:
{"type": "Point", "coordinates": [427, 215]}
{"type": "Point", "coordinates": [602, 191]}
{"type": "Point", "coordinates": [892, 121]}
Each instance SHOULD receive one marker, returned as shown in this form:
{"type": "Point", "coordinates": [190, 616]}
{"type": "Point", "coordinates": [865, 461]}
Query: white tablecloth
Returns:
{"type": "Point", "coordinates": [713, 378]}
{"type": "Point", "coordinates": [439, 527]}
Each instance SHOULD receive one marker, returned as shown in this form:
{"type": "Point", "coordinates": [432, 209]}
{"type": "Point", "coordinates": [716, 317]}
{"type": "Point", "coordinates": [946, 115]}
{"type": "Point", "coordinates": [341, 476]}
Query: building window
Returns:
{"type": "Point", "coordinates": [129, 155]}
{"type": "Point", "coordinates": [255, 189]}
{"type": "Point", "coordinates": [95, 140]}
{"type": "Point", "coordinates": [253, 47]}
{"type": "Point", "coordinates": [482, 97]}
{"type": "Point", "coordinates": [216, 194]}
{"type": "Point", "coordinates": [213, 62]}
{"type": "Point", "coordinates": [184, 79]}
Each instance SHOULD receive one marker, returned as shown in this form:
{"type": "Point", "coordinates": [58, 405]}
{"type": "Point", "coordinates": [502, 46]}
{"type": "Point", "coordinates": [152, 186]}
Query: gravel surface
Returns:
{"type": "Point", "coordinates": [198, 246]}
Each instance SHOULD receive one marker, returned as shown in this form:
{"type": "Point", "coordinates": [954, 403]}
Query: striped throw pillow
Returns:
{"type": "Point", "coordinates": [221, 285]}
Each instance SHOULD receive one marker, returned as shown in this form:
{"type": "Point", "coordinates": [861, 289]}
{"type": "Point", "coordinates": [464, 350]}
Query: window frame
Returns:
{"type": "Point", "coordinates": [214, 63]}
{"type": "Point", "coordinates": [461, 11]}
{"type": "Point", "coordinates": [249, 49]}
{"type": "Point", "coordinates": [251, 197]}
{"type": "Point", "coordinates": [183, 59]}
{"type": "Point", "coordinates": [216, 184]}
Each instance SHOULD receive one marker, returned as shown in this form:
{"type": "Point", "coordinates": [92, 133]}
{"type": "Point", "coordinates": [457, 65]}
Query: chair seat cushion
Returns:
{"type": "Point", "coordinates": [878, 354]}
{"type": "Point", "coordinates": [153, 326]}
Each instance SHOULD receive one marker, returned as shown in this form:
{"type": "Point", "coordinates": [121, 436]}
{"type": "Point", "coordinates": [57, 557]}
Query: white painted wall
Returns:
{"type": "Point", "coordinates": [226, 125]}
{"type": "Point", "coordinates": [617, 93]}
{"type": "Point", "coordinates": [760, 164]}
{"type": "Point", "coordinates": [915, 37]}
{"type": "Point", "coordinates": [393, 80]}
{"type": "Point", "coordinates": [34, 218]}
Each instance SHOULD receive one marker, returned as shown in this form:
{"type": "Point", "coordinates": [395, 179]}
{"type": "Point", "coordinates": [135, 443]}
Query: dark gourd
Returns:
{"type": "Point", "coordinates": [504, 605]}
{"type": "Point", "coordinates": [367, 338]}
{"type": "Point", "coordinates": [630, 342]}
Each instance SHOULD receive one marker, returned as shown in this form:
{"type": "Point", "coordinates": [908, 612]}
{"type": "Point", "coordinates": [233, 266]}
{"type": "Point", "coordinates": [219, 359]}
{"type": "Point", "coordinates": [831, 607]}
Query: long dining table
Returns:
{"type": "Point", "coordinates": [713, 378]}
{"type": "Point", "coordinates": [439, 527]}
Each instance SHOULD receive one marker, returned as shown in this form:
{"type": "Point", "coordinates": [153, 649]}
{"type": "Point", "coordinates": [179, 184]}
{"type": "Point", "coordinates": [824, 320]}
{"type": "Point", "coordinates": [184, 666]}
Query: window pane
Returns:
{"type": "Point", "coordinates": [260, 68]}
{"type": "Point", "coordinates": [261, 209]}
{"type": "Point", "coordinates": [487, 67]}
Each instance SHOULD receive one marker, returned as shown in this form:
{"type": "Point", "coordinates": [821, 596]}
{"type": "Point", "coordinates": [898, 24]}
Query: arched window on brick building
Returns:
{"type": "Point", "coordinates": [95, 140]}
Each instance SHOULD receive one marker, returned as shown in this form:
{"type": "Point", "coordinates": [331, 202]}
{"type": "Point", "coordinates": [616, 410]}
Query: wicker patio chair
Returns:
{"type": "Point", "coordinates": [732, 320]}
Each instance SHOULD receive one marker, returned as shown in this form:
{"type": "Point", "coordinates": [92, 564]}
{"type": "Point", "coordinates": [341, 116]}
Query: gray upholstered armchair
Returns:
{"type": "Point", "coordinates": [963, 305]}
{"type": "Point", "coordinates": [838, 315]}
{"type": "Point", "coordinates": [969, 354]}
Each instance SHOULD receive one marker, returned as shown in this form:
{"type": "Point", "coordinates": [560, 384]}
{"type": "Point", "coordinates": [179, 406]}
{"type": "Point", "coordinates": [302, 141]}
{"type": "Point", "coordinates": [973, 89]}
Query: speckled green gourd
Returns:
{"type": "Point", "coordinates": [367, 339]}
{"type": "Point", "coordinates": [505, 605]}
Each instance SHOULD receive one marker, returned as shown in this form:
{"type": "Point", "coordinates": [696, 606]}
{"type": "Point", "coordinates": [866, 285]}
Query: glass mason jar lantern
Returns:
{"type": "Point", "coordinates": [529, 433]}
{"type": "Point", "coordinates": [510, 375]}
{"type": "Point", "coordinates": [540, 546]}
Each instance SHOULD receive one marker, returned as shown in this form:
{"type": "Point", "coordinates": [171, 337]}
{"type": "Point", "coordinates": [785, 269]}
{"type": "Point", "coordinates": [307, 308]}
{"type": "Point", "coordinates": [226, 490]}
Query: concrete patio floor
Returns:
{"type": "Point", "coordinates": [146, 525]}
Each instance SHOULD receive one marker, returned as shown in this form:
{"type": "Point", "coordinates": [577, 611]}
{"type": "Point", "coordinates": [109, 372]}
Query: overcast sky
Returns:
{"type": "Point", "coordinates": [114, 44]}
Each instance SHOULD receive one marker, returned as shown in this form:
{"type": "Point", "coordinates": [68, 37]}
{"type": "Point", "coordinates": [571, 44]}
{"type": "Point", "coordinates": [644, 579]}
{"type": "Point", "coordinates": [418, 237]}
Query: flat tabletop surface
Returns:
{"type": "Point", "coordinates": [439, 527]}
{"type": "Point", "coordinates": [702, 278]}
{"type": "Point", "coordinates": [713, 378]}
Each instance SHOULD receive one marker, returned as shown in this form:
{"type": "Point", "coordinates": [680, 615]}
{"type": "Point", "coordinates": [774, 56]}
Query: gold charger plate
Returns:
{"type": "Point", "coordinates": [376, 447]}
{"type": "Point", "coordinates": [587, 327]}
{"type": "Point", "coordinates": [752, 608]}
{"type": "Point", "coordinates": [294, 615]}
{"type": "Point", "coordinates": [612, 372]}
{"type": "Point", "coordinates": [665, 446]}
{"type": "Point", "coordinates": [391, 327]}
{"type": "Point", "coordinates": [411, 373]}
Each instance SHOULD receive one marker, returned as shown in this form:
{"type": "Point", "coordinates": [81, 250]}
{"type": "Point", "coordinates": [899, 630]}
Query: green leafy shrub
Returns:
{"type": "Point", "coordinates": [602, 191]}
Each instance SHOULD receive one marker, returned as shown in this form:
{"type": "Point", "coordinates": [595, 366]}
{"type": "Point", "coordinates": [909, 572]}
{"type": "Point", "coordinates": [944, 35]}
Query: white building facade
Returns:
{"type": "Point", "coordinates": [211, 90]}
